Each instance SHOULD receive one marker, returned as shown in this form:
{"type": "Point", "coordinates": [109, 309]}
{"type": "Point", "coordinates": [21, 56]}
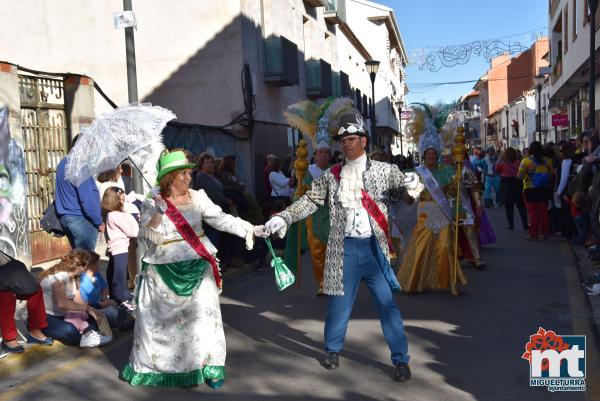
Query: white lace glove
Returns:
{"type": "Point", "coordinates": [154, 192]}
{"type": "Point", "coordinates": [261, 232]}
{"type": "Point", "coordinates": [159, 202]}
{"type": "Point", "coordinates": [275, 224]}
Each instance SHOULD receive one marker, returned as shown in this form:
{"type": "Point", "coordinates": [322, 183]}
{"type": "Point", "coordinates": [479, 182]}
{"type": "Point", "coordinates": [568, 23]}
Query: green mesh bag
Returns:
{"type": "Point", "coordinates": [283, 276]}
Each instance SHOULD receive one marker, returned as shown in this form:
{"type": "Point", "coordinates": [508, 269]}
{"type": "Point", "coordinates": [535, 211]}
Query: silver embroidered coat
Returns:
{"type": "Point", "coordinates": [382, 181]}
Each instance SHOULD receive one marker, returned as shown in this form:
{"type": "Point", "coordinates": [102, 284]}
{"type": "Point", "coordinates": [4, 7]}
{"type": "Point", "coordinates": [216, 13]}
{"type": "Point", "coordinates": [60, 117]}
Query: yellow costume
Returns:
{"type": "Point", "coordinates": [429, 257]}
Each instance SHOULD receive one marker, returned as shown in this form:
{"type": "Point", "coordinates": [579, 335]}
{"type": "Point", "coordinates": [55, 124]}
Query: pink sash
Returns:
{"type": "Point", "coordinates": [188, 234]}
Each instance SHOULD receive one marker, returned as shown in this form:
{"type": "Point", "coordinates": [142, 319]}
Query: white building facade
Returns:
{"type": "Point", "coordinates": [569, 32]}
{"type": "Point", "coordinates": [226, 68]}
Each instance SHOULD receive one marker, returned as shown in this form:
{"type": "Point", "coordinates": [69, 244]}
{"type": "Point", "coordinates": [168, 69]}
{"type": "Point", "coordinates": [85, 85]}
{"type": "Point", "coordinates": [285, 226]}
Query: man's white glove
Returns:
{"type": "Point", "coordinates": [275, 224]}
{"type": "Point", "coordinates": [261, 232]}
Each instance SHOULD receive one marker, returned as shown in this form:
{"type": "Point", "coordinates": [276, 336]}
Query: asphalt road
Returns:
{"type": "Point", "coordinates": [462, 348]}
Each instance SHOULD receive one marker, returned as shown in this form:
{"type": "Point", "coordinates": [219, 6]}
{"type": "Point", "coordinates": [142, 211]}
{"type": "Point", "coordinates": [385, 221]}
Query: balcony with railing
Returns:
{"type": "Point", "coordinates": [316, 3]}
{"type": "Point", "coordinates": [335, 11]}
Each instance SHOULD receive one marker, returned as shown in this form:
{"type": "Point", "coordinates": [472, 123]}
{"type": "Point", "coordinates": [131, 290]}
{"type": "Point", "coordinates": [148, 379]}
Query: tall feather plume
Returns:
{"type": "Point", "coordinates": [337, 108]}
{"type": "Point", "coordinates": [304, 116]}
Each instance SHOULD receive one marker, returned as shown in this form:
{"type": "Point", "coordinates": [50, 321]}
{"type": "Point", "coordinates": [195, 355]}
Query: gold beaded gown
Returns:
{"type": "Point", "coordinates": [429, 258]}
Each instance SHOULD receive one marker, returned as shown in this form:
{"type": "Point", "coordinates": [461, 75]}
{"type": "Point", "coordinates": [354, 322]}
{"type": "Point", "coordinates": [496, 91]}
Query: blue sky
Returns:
{"type": "Point", "coordinates": [431, 23]}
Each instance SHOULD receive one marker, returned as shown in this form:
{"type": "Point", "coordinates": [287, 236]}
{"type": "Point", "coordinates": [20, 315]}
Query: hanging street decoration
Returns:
{"type": "Point", "coordinates": [434, 59]}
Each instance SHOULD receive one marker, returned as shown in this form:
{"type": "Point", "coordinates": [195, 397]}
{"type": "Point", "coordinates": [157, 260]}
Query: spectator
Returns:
{"type": "Point", "coordinates": [566, 173]}
{"type": "Point", "coordinates": [581, 145]}
{"type": "Point", "coordinates": [266, 171]}
{"type": "Point", "coordinates": [554, 204]}
{"type": "Point", "coordinates": [491, 195]}
{"type": "Point", "coordinates": [114, 178]}
{"type": "Point", "coordinates": [93, 290]}
{"type": "Point", "coordinates": [205, 179]}
{"type": "Point", "coordinates": [580, 218]}
{"type": "Point", "coordinates": [511, 187]}
{"type": "Point", "coordinates": [120, 226]}
{"type": "Point", "coordinates": [591, 149]}
{"type": "Point", "coordinates": [278, 206]}
{"type": "Point", "coordinates": [59, 287]}
{"type": "Point", "coordinates": [227, 175]}
{"type": "Point", "coordinates": [280, 184]}
{"type": "Point", "coordinates": [536, 171]}
{"type": "Point", "coordinates": [127, 176]}
{"type": "Point", "coordinates": [16, 282]}
{"type": "Point", "coordinates": [110, 178]}
{"type": "Point", "coordinates": [78, 209]}
{"type": "Point", "coordinates": [473, 156]}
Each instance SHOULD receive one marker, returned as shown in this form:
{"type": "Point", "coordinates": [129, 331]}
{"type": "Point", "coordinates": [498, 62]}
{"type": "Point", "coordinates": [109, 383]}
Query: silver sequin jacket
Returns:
{"type": "Point", "coordinates": [382, 181]}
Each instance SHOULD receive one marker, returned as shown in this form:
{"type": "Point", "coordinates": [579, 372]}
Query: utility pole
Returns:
{"type": "Point", "coordinates": [137, 182]}
{"type": "Point", "coordinates": [132, 91]}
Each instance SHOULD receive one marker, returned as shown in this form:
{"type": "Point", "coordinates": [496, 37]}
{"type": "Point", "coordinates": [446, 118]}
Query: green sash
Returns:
{"type": "Point", "coordinates": [181, 277]}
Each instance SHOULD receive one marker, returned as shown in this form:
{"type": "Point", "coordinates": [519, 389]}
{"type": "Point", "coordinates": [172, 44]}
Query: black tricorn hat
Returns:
{"type": "Point", "coordinates": [351, 123]}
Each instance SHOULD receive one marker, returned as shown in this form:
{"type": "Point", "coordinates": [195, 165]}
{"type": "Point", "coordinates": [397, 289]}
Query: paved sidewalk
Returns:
{"type": "Point", "coordinates": [15, 363]}
{"type": "Point", "coordinates": [589, 274]}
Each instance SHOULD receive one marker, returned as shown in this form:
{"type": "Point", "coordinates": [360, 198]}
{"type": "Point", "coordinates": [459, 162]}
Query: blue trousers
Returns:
{"type": "Point", "coordinates": [492, 182]}
{"type": "Point", "coordinates": [116, 274]}
{"type": "Point", "coordinates": [582, 225]}
{"type": "Point", "coordinates": [362, 262]}
{"type": "Point", "coordinates": [82, 234]}
{"type": "Point", "coordinates": [65, 332]}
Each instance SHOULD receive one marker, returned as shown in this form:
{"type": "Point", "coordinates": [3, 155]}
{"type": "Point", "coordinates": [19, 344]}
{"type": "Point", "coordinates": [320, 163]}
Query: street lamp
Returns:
{"type": "Point", "coordinates": [593, 5]}
{"type": "Point", "coordinates": [372, 68]}
{"type": "Point", "coordinates": [400, 105]}
{"type": "Point", "coordinates": [538, 121]}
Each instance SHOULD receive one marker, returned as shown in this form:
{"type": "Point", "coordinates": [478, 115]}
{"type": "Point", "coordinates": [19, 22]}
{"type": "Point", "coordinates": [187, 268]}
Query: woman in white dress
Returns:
{"type": "Point", "coordinates": [178, 337]}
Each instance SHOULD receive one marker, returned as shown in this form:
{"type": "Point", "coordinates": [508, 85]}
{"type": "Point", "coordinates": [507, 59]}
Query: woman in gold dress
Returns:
{"type": "Point", "coordinates": [429, 260]}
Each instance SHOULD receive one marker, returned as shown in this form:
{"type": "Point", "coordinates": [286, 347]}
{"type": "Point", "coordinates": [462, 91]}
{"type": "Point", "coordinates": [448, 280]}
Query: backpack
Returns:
{"type": "Point", "coordinates": [50, 221]}
{"type": "Point", "coordinates": [541, 175]}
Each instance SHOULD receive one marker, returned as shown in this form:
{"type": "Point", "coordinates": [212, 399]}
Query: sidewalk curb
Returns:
{"type": "Point", "coordinates": [14, 364]}
{"type": "Point", "coordinates": [586, 271]}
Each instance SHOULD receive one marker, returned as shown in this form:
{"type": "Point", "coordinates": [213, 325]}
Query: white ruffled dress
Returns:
{"type": "Point", "coordinates": [179, 339]}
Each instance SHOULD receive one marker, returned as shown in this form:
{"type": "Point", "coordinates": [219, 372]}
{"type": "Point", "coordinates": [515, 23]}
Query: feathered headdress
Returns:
{"type": "Point", "coordinates": [431, 138]}
{"type": "Point", "coordinates": [317, 120]}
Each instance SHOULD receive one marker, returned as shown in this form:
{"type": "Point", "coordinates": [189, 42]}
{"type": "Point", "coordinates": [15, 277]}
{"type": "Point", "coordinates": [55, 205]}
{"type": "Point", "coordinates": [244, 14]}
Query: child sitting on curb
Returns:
{"type": "Point", "coordinates": [93, 290]}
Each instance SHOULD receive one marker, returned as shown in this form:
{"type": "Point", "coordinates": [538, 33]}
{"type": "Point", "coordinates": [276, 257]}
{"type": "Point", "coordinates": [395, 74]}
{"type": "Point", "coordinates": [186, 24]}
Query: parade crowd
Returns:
{"type": "Point", "coordinates": [201, 221]}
